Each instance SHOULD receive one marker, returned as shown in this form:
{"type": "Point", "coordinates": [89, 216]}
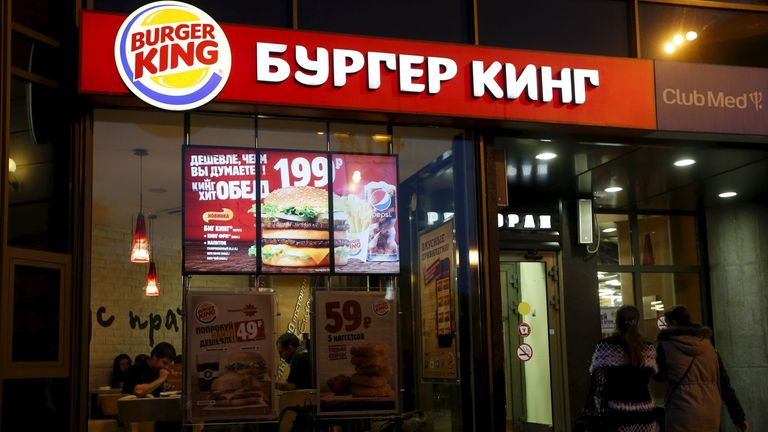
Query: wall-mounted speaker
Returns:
{"type": "Point", "coordinates": [584, 213]}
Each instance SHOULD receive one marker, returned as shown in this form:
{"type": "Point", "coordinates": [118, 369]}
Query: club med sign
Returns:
{"type": "Point", "coordinates": [306, 69]}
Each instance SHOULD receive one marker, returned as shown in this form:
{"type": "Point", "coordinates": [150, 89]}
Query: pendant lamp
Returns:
{"type": "Point", "coordinates": [140, 244]}
{"type": "Point", "coordinates": [153, 285]}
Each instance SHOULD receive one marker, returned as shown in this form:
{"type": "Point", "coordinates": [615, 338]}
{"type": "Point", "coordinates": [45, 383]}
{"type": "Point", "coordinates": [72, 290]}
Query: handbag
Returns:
{"type": "Point", "coordinates": [590, 420]}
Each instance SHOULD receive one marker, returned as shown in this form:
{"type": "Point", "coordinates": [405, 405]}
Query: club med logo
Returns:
{"type": "Point", "coordinates": [172, 55]}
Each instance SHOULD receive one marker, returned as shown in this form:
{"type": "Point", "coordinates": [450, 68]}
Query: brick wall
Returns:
{"type": "Point", "coordinates": [117, 294]}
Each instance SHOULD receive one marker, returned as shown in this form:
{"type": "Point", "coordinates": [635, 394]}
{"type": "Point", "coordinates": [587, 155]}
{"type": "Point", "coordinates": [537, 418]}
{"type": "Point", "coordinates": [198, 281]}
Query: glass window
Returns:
{"type": "Point", "coordinates": [359, 138]}
{"type": "Point", "coordinates": [433, 179]}
{"type": "Point", "coordinates": [436, 20]}
{"type": "Point", "coordinates": [667, 240]}
{"type": "Point", "coordinates": [706, 35]}
{"type": "Point", "coordinates": [36, 314]}
{"type": "Point", "coordinates": [39, 196]}
{"type": "Point", "coordinates": [615, 239]}
{"type": "Point", "coordinates": [49, 17]}
{"type": "Point", "coordinates": [223, 130]}
{"type": "Point", "coordinates": [292, 134]}
{"type": "Point", "coordinates": [36, 403]}
{"type": "Point", "coordinates": [275, 13]}
{"type": "Point", "coordinates": [662, 291]}
{"type": "Point", "coordinates": [556, 25]}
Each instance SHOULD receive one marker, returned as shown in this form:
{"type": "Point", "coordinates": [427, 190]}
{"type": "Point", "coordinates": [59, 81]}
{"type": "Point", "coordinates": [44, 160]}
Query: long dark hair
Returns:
{"type": "Point", "coordinates": [627, 321]}
{"type": "Point", "coordinates": [117, 374]}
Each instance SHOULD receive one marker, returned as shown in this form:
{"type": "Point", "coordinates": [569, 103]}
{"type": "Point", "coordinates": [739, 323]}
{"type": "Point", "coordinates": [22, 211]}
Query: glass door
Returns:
{"type": "Point", "coordinates": [531, 334]}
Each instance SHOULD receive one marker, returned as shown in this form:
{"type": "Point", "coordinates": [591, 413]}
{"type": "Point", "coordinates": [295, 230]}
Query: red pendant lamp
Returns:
{"type": "Point", "coordinates": [153, 287]}
{"type": "Point", "coordinates": [153, 284]}
{"type": "Point", "coordinates": [140, 244]}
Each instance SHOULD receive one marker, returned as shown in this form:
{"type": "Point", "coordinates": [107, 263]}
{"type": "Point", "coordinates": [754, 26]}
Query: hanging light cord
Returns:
{"type": "Point", "coordinates": [141, 183]}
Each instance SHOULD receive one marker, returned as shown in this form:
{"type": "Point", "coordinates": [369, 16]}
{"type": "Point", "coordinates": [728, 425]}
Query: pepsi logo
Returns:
{"type": "Point", "coordinates": [380, 199]}
{"type": "Point", "coordinates": [172, 55]}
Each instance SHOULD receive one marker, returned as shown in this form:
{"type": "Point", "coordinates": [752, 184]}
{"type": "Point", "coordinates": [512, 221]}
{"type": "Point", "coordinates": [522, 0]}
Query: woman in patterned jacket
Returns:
{"type": "Point", "coordinates": [622, 366]}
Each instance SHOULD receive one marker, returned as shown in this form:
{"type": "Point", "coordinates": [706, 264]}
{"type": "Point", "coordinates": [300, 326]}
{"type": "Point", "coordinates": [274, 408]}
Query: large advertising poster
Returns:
{"type": "Point", "coordinates": [220, 190]}
{"type": "Point", "coordinates": [280, 217]}
{"type": "Point", "coordinates": [230, 344]}
{"type": "Point", "coordinates": [357, 352]}
{"type": "Point", "coordinates": [295, 208]}
{"type": "Point", "coordinates": [365, 188]}
{"type": "Point", "coordinates": [437, 286]}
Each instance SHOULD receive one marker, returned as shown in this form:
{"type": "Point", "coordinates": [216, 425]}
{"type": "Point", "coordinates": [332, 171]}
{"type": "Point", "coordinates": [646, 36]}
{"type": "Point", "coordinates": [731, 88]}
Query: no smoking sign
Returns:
{"type": "Point", "coordinates": [524, 352]}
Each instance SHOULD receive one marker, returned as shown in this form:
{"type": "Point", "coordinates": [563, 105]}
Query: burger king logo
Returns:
{"type": "Point", "coordinates": [206, 313]}
{"type": "Point", "coordinates": [172, 55]}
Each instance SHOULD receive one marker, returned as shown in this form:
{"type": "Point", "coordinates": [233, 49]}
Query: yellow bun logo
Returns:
{"type": "Point", "coordinates": [172, 55]}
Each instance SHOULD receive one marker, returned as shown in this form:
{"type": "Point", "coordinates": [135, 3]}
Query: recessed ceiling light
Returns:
{"type": "Point", "coordinates": [545, 140]}
{"type": "Point", "coordinates": [691, 35]}
{"type": "Point", "coordinates": [614, 189]}
{"type": "Point", "coordinates": [678, 39]}
{"type": "Point", "coordinates": [684, 162]}
{"type": "Point", "coordinates": [609, 230]}
{"type": "Point", "coordinates": [727, 194]}
{"type": "Point", "coordinates": [546, 156]}
{"type": "Point", "coordinates": [669, 47]}
{"type": "Point", "coordinates": [320, 133]}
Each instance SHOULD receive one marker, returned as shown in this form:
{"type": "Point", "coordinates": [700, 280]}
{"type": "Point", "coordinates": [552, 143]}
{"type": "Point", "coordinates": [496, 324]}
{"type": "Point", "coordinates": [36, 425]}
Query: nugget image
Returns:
{"type": "Point", "coordinates": [340, 385]}
{"type": "Point", "coordinates": [368, 380]}
{"type": "Point", "coordinates": [369, 350]}
{"type": "Point", "coordinates": [381, 391]}
{"type": "Point", "coordinates": [384, 371]}
{"type": "Point", "coordinates": [372, 370]}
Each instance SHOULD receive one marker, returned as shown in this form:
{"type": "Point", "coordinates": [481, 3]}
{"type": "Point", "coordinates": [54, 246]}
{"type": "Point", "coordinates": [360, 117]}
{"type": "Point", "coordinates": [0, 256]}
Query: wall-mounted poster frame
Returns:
{"type": "Point", "coordinates": [356, 353]}
{"type": "Point", "coordinates": [437, 286]}
{"type": "Point", "coordinates": [314, 212]}
{"type": "Point", "coordinates": [230, 352]}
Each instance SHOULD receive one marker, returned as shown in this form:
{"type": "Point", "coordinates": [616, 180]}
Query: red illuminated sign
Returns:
{"type": "Point", "coordinates": [295, 68]}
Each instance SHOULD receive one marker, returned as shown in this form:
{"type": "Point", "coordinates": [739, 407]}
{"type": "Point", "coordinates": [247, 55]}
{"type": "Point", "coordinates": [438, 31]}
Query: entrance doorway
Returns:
{"type": "Point", "coordinates": [531, 332]}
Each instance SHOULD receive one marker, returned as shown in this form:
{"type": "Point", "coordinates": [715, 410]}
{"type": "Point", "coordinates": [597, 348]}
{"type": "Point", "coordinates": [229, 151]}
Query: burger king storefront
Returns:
{"type": "Point", "coordinates": [430, 220]}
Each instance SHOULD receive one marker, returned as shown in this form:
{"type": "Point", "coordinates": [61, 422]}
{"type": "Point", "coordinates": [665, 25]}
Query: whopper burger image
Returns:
{"type": "Point", "coordinates": [295, 228]}
{"type": "Point", "coordinates": [240, 380]}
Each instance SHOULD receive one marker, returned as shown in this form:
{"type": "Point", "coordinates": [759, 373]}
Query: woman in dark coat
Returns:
{"type": "Point", "coordinates": [621, 369]}
{"type": "Point", "coordinates": [120, 366]}
{"type": "Point", "coordinates": [697, 379]}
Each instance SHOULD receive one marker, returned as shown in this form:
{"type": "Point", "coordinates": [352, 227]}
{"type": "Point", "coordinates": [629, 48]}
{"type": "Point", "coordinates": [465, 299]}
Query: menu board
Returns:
{"type": "Point", "coordinates": [365, 203]}
{"type": "Point", "coordinates": [437, 286]}
{"type": "Point", "coordinates": [356, 353]}
{"type": "Point", "coordinates": [220, 190]}
{"type": "Point", "coordinates": [230, 341]}
{"type": "Point", "coordinates": [293, 212]}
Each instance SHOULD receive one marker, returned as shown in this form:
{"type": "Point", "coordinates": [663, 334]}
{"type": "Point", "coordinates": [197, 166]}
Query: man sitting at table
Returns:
{"type": "Point", "coordinates": [144, 379]}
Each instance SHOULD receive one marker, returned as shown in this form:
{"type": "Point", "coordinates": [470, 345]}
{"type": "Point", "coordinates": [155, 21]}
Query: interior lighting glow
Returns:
{"type": "Point", "coordinates": [11, 165]}
{"type": "Point", "coordinates": [685, 162]}
{"type": "Point", "coordinates": [609, 230]}
{"type": "Point", "coordinates": [546, 156]}
{"type": "Point", "coordinates": [691, 35]}
{"type": "Point", "coordinates": [669, 47]}
{"type": "Point", "coordinates": [729, 194]}
{"type": "Point", "coordinates": [678, 39]}
{"type": "Point", "coordinates": [614, 189]}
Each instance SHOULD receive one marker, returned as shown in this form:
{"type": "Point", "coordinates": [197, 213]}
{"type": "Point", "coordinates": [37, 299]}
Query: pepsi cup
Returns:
{"type": "Point", "coordinates": [382, 236]}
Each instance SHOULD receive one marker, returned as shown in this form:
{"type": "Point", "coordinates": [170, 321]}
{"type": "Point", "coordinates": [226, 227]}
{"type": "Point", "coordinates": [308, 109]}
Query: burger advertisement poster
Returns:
{"type": "Point", "coordinates": [292, 212]}
{"type": "Point", "coordinates": [356, 352]}
{"type": "Point", "coordinates": [230, 340]}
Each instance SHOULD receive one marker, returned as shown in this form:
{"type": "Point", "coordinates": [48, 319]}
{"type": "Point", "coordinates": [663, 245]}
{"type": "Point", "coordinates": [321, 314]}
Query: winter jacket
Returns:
{"type": "Point", "coordinates": [693, 405]}
{"type": "Point", "coordinates": [621, 390]}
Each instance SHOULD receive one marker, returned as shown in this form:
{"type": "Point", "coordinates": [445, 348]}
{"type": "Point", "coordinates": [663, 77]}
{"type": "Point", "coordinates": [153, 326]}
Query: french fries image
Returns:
{"type": "Point", "coordinates": [360, 213]}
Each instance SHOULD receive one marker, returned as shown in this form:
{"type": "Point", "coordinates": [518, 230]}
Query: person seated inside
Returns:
{"type": "Point", "coordinates": [148, 378]}
{"type": "Point", "coordinates": [120, 367]}
{"type": "Point", "coordinates": [300, 376]}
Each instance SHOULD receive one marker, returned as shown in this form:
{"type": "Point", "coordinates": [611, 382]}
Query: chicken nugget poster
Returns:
{"type": "Point", "coordinates": [356, 352]}
{"type": "Point", "coordinates": [230, 350]}
{"type": "Point", "coordinates": [272, 211]}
